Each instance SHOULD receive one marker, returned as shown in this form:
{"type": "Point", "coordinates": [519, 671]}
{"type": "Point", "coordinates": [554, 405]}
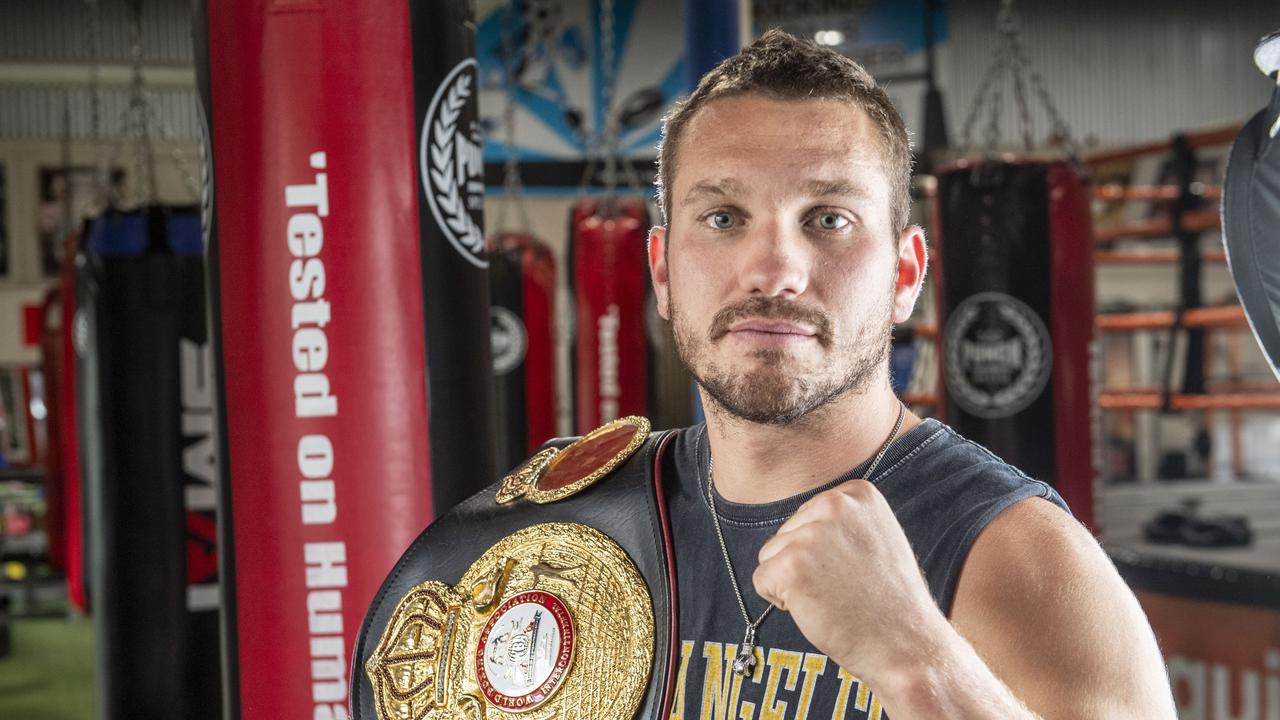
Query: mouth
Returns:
{"type": "Point", "coordinates": [761, 322]}
{"type": "Point", "coordinates": [771, 333]}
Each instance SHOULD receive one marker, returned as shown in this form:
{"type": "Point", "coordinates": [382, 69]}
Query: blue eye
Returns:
{"type": "Point", "coordinates": [721, 220]}
{"type": "Point", "coordinates": [832, 221]}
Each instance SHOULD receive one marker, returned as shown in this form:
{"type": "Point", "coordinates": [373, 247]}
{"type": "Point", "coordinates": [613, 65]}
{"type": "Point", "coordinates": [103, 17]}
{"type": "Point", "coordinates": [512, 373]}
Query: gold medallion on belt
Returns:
{"type": "Point", "coordinates": [553, 621]}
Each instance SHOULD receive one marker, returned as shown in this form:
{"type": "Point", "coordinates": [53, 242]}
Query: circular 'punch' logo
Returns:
{"type": "Point", "coordinates": [997, 355]}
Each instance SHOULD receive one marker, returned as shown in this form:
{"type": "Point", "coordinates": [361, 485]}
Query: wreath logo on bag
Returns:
{"type": "Point", "coordinates": [998, 355]}
{"type": "Point", "coordinates": [451, 161]}
{"type": "Point", "coordinates": [508, 339]}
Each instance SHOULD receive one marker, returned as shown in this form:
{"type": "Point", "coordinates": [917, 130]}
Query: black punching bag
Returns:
{"type": "Point", "coordinates": [1015, 296]}
{"type": "Point", "coordinates": [1251, 212]}
{"type": "Point", "coordinates": [148, 454]}
{"type": "Point", "coordinates": [523, 281]}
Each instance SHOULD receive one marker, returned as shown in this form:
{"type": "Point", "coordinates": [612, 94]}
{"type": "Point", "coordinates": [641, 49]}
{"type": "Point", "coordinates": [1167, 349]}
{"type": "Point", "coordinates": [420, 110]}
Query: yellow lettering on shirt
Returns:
{"type": "Point", "coordinates": [721, 686]}
{"type": "Point", "coordinates": [842, 698]}
{"type": "Point", "coordinates": [814, 665]}
{"type": "Point", "coordinates": [781, 662]}
{"type": "Point", "coordinates": [778, 674]}
{"type": "Point", "coordinates": [677, 703]}
{"type": "Point", "coordinates": [861, 702]}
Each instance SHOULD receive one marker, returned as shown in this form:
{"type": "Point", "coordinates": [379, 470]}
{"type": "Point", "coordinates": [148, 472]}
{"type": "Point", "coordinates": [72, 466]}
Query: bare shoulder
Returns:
{"type": "Point", "coordinates": [1029, 534]}
{"type": "Point", "coordinates": [1046, 610]}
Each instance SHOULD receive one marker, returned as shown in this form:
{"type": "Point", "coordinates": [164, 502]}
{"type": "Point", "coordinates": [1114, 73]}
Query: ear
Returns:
{"type": "Point", "coordinates": [913, 259]}
{"type": "Point", "coordinates": [658, 270]}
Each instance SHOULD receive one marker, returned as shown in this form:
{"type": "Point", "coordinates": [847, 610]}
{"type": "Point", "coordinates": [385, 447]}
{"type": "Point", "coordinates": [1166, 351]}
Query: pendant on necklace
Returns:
{"type": "Point", "coordinates": [744, 664]}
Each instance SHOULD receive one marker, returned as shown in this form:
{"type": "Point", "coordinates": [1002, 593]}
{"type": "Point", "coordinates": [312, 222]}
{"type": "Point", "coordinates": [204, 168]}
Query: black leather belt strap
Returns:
{"type": "Point", "coordinates": [627, 506]}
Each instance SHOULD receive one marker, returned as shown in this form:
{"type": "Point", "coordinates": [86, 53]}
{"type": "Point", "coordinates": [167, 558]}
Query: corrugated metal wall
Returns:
{"type": "Point", "coordinates": [43, 112]}
{"type": "Point", "coordinates": [1119, 71]}
{"type": "Point", "coordinates": [58, 31]}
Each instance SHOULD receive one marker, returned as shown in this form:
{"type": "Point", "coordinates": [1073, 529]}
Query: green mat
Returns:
{"type": "Point", "coordinates": [50, 675]}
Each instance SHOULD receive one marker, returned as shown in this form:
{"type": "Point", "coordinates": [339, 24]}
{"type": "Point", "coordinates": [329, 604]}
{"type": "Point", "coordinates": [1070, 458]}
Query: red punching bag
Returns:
{"type": "Point", "coordinates": [72, 333]}
{"type": "Point", "coordinates": [52, 361]}
{"type": "Point", "coordinates": [350, 316]}
{"type": "Point", "coordinates": [610, 285]}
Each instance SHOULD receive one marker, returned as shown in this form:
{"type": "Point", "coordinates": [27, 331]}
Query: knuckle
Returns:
{"type": "Point", "coordinates": [859, 490]}
{"type": "Point", "coordinates": [786, 571]}
{"type": "Point", "coordinates": [764, 579]}
{"type": "Point", "coordinates": [809, 537]}
{"type": "Point", "coordinates": [827, 503]}
{"type": "Point", "coordinates": [760, 578]}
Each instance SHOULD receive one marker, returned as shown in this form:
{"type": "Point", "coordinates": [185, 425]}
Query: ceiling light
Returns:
{"type": "Point", "coordinates": [828, 37]}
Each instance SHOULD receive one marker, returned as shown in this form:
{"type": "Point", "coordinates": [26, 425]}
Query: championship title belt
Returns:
{"type": "Point", "coordinates": [548, 595]}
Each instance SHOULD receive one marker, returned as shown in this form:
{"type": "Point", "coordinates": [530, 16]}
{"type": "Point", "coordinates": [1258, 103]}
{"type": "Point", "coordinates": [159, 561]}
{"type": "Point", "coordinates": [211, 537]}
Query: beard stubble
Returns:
{"type": "Point", "coordinates": [775, 390]}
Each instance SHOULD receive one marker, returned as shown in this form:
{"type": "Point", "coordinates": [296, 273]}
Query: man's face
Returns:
{"type": "Point", "coordinates": [779, 270]}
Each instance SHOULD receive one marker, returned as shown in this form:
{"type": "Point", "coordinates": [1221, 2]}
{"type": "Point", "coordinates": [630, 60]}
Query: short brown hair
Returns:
{"type": "Point", "coordinates": [784, 67]}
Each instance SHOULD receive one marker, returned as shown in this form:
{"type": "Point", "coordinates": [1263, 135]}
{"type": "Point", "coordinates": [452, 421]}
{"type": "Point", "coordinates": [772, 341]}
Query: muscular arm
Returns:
{"type": "Point", "coordinates": [1042, 625]}
{"type": "Point", "coordinates": [1046, 629]}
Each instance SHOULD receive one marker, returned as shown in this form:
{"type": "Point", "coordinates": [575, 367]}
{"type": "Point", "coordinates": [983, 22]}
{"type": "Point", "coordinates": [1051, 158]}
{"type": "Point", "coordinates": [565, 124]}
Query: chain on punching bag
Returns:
{"type": "Point", "coordinates": [522, 275]}
{"type": "Point", "coordinates": [351, 315]}
{"type": "Point", "coordinates": [1015, 295]}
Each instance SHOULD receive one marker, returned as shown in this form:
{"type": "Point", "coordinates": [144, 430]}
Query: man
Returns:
{"type": "Point", "coordinates": [785, 259]}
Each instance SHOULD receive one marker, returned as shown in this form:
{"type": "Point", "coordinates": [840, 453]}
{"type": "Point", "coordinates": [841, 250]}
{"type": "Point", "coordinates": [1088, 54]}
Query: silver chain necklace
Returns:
{"type": "Point", "coordinates": [745, 661]}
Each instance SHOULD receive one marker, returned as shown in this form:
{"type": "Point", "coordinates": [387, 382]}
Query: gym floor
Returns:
{"type": "Point", "coordinates": [50, 674]}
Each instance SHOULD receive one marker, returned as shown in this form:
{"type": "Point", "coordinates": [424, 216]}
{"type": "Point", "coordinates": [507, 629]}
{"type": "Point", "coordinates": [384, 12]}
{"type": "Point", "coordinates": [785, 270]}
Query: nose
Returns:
{"type": "Point", "coordinates": [774, 262]}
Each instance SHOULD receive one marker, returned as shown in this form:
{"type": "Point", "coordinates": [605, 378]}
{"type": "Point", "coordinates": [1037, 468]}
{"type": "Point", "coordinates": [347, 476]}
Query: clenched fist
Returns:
{"type": "Point", "coordinates": [844, 570]}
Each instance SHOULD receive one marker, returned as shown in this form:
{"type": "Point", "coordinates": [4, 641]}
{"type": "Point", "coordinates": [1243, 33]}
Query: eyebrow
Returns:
{"type": "Point", "coordinates": [725, 187]}
{"type": "Point", "coordinates": [728, 187]}
{"type": "Point", "coordinates": [828, 188]}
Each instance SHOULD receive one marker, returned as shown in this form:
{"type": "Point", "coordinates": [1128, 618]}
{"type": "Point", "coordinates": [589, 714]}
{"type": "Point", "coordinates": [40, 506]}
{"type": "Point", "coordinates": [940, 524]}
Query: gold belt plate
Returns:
{"type": "Point", "coordinates": [553, 621]}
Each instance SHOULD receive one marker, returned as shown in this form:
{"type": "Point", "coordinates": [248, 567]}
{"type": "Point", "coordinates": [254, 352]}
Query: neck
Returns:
{"type": "Point", "coordinates": [757, 463]}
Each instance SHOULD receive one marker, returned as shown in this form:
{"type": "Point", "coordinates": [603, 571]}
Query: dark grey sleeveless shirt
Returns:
{"type": "Point", "coordinates": [943, 489]}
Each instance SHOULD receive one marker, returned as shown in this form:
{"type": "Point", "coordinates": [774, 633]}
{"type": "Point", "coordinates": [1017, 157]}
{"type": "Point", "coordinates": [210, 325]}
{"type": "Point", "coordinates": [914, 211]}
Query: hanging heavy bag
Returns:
{"type": "Point", "coordinates": [351, 317]}
{"type": "Point", "coordinates": [52, 364]}
{"type": "Point", "coordinates": [1251, 212]}
{"type": "Point", "coordinates": [1014, 267]}
{"type": "Point", "coordinates": [523, 283]}
{"type": "Point", "coordinates": [147, 450]}
{"type": "Point", "coordinates": [609, 285]}
{"type": "Point", "coordinates": [74, 527]}
{"type": "Point", "coordinates": [1015, 301]}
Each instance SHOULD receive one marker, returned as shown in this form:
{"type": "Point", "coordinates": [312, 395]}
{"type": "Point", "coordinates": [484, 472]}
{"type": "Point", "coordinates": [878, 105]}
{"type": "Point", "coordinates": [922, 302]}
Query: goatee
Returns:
{"type": "Point", "coordinates": [774, 391]}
